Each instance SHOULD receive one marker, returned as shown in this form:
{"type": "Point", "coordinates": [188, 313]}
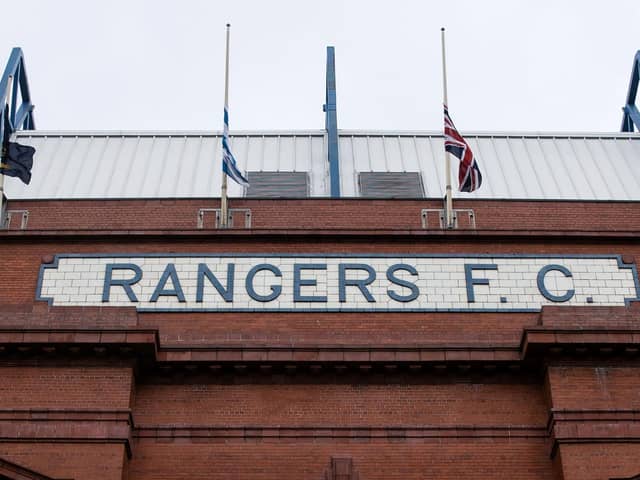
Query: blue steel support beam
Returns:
{"type": "Point", "coordinates": [631, 116]}
{"type": "Point", "coordinates": [21, 115]}
{"type": "Point", "coordinates": [331, 124]}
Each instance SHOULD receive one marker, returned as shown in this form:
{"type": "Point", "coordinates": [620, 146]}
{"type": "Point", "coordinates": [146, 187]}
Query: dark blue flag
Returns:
{"type": "Point", "coordinates": [16, 160]}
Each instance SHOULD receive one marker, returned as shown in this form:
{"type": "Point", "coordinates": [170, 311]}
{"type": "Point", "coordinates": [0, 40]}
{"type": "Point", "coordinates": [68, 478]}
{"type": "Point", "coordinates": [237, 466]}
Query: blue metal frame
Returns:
{"type": "Point", "coordinates": [20, 116]}
{"type": "Point", "coordinates": [631, 115]}
{"type": "Point", "coordinates": [331, 123]}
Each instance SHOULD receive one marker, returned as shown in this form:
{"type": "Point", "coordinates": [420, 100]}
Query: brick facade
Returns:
{"type": "Point", "coordinates": [109, 392]}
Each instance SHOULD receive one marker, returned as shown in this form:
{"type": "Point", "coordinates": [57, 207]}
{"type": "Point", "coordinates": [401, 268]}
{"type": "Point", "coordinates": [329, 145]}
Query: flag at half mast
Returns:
{"type": "Point", "coordinates": [469, 176]}
{"type": "Point", "coordinates": [229, 165]}
{"type": "Point", "coordinates": [15, 160]}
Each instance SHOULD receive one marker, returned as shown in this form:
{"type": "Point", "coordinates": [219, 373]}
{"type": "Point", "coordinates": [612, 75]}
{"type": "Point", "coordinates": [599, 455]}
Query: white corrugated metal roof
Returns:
{"type": "Point", "coordinates": [186, 164]}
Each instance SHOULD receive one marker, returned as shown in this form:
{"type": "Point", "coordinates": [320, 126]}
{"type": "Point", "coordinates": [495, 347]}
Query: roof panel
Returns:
{"type": "Point", "coordinates": [187, 164]}
{"type": "Point", "coordinates": [377, 154]}
{"type": "Point", "coordinates": [434, 168]}
{"type": "Point", "coordinates": [302, 153]}
{"type": "Point", "coordinates": [172, 165]}
{"type": "Point", "coordinates": [59, 171]}
{"type": "Point", "coordinates": [362, 154]}
{"type": "Point", "coordinates": [319, 167]}
{"type": "Point", "coordinates": [630, 151]}
{"type": "Point", "coordinates": [557, 170]}
{"type": "Point", "coordinates": [509, 170]}
{"type": "Point", "coordinates": [575, 169]}
{"type": "Point", "coordinates": [105, 167]}
{"type": "Point", "coordinates": [348, 176]}
{"type": "Point", "coordinates": [620, 165]}
{"type": "Point", "coordinates": [286, 154]}
{"type": "Point", "coordinates": [409, 154]}
{"type": "Point", "coordinates": [393, 154]}
{"type": "Point", "coordinates": [203, 177]}
{"type": "Point", "coordinates": [255, 153]}
{"type": "Point", "coordinates": [141, 167]}
{"type": "Point", "coordinates": [597, 183]}
{"type": "Point", "coordinates": [492, 171]}
{"type": "Point", "coordinates": [188, 161]}
{"type": "Point", "coordinates": [601, 163]}
{"type": "Point", "coordinates": [539, 163]}
{"type": "Point", "coordinates": [527, 169]}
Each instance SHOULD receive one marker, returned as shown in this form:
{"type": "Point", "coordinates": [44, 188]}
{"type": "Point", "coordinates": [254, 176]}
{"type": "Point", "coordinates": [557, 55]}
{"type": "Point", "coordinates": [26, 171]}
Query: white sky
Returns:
{"type": "Point", "coordinates": [540, 65]}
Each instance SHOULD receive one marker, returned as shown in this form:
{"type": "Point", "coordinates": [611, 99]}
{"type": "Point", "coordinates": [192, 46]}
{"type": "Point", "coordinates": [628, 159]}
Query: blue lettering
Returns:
{"type": "Point", "coordinates": [470, 281]}
{"type": "Point", "coordinates": [299, 282]}
{"type": "Point", "coordinates": [546, 293]}
{"type": "Point", "coordinates": [344, 282]}
{"type": "Point", "coordinates": [226, 293]}
{"type": "Point", "coordinates": [176, 291]}
{"type": "Point", "coordinates": [403, 283]}
{"type": "Point", "coordinates": [124, 283]}
{"type": "Point", "coordinates": [275, 289]}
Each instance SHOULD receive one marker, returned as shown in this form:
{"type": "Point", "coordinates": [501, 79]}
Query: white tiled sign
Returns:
{"type": "Point", "coordinates": [225, 282]}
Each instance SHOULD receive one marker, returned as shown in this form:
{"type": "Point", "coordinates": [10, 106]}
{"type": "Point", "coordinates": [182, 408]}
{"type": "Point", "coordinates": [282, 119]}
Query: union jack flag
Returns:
{"type": "Point", "coordinates": [469, 176]}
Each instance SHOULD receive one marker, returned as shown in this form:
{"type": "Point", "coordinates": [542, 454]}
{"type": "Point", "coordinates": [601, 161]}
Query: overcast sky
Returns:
{"type": "Point", "coordinates": [538, 65]}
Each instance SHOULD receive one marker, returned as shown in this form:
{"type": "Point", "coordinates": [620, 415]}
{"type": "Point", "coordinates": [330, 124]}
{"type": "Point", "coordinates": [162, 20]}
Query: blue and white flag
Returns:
{"type": "Point", "coordinates": [229, 165]}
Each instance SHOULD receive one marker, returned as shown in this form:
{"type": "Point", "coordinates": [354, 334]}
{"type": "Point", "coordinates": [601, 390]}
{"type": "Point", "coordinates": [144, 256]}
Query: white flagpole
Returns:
{"type": "Point", "coordinates": [224, 209]}
{"type": "Point", "coordinates": [448, 197]}
{"type": "Point", "coordinates": [8, 102]}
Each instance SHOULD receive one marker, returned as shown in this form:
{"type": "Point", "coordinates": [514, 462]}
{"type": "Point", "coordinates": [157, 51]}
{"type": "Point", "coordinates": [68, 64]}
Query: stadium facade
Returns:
{"type": "Point", "coordinates": [335, 329]}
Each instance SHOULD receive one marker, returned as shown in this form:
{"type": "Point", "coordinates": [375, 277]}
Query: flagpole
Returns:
{"type": "Point", "coordinates": [6, 105]}
{"type": "Point", "coordinates": [448, 204]}
{"type": "Point", "coordinates": [224, 209]}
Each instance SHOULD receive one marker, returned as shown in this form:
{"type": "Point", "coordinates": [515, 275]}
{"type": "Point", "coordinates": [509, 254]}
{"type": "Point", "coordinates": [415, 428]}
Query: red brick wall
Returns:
{"type": "Point", "coordinates": [87, 388]}
{"type": "Point", "coordinates": [326, 213]}
{"type": "Point", "coordinates": [594, 420]}
{"type": "Point", "coordinates": [516, 459]}
{"type": "Point", "coordinates": [343, 405]}
{"type": "Point", "coordinates": [68, 460]}
{"type": "Point", "coordinates": [21, 263]}
{"type": "Point", "coordinates": [230, 426]}
{"type": "Point", "coordinates": [600, 461]}
{"type": "Point", "coordinates": [451, 430]}
{"type": "Point", "coordinates": [83, 409]}
{"type": "Point", "coordinates": [595, 388]}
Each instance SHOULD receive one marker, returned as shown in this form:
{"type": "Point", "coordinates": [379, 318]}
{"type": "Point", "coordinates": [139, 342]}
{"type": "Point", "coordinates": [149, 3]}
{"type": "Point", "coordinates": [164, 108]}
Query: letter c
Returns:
{"type": "Point", "coordinates": [546, 293]}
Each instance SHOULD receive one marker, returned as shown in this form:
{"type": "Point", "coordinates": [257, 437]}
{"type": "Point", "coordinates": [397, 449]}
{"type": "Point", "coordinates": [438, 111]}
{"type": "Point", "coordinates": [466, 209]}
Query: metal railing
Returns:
{"type": "Point", "coordinates": [429, 214]}
{"type": "Point", "coordinates": [234, 220]}
{"type": "Point", "coordinates": [10, 218]}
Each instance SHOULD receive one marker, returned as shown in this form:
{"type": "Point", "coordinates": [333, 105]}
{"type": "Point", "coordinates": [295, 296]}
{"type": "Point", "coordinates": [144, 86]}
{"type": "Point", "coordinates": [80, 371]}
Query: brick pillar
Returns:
{"type": "Point", "coordinates": [592, 421]}
{"type": "Point", "coordinates": [67, 421]}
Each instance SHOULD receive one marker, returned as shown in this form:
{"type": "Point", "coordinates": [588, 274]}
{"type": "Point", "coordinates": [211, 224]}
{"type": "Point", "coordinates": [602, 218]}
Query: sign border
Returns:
{"type": "Point", "coordinates": [58, 257]}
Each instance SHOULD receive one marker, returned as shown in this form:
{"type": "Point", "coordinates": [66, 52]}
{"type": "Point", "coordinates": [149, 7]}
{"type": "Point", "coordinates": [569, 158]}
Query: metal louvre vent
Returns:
{"type": "Point", "coordinates": [391, 184]}
{"type": "Point", "coordinates": [278, 184]}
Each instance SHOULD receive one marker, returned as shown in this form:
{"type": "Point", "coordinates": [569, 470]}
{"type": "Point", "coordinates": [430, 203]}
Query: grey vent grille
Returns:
{"type": "Point", "coordinates": [391, 184]}
{"type": "Point", "coordinates": [278, 184]}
